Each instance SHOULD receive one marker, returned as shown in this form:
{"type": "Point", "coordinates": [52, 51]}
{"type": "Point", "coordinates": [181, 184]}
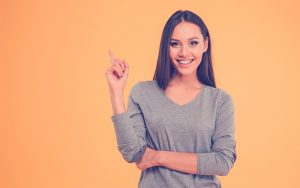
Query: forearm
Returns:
{"type": "Point", "coordinates": [117, 102]}
{"type": "Point", "coordinates": [129, 127]}
{"type": "Point", "coordinates": [180, 161]}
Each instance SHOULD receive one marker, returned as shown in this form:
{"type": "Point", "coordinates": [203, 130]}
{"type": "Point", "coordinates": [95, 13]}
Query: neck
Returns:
{"type": "Point", "coordinates": [186, 81]}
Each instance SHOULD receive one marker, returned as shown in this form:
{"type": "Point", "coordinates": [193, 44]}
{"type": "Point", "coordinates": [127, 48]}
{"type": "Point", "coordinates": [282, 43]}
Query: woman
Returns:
{"type": "Point", "coordinates": [178, 128]}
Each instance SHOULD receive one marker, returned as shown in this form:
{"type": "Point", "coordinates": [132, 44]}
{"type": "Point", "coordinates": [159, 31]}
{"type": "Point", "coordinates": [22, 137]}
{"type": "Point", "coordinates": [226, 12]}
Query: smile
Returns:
{"type": "Point", "coordinates": [185, 61]}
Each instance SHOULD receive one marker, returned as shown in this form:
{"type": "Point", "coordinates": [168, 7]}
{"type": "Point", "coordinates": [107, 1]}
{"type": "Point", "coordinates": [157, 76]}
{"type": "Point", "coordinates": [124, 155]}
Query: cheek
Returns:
{"type": "Point", "coordinates": [197, 53]}
{"type": "Point", "coordinates": [173, 53]}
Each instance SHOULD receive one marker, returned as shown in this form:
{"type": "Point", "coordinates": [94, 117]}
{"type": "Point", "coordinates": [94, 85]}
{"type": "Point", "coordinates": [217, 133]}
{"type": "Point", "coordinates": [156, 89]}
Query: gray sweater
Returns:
{"type": "Point", "coordinates": [204, 126]}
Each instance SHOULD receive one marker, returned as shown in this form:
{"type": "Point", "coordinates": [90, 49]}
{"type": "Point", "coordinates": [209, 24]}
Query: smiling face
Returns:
{"type": "Point", "coordinates": [186, 48]}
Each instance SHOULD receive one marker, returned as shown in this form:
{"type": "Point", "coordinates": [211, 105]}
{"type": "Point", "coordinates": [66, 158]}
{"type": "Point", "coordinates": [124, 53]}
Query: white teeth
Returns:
{"type": "Point", "coordinates": [185, 62]}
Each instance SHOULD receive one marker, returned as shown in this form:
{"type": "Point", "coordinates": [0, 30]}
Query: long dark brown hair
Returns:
{"type": "Point", "coordinates": [164, 68]}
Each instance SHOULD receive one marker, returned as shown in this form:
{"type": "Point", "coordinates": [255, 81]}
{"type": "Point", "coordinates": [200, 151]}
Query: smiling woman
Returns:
{"type": "Point", "coordinates": [187, 46]}
{"type": "Point", "coordinates": [178, 128]}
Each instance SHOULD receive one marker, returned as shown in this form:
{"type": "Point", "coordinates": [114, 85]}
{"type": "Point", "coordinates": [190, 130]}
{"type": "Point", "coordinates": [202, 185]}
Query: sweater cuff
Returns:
{"type": "Point", "coordinates": [121, 121]}
{"type": "Point", "coordinates": [205, 163]}
{"type": "Point", "coordinates": [119, 117]}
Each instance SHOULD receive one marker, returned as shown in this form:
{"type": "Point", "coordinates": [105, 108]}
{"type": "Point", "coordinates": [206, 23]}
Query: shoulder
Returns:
{"type": "Point", "coordinates": [217, 92]}
{"type": "Point", "coordinates": [219, 95]}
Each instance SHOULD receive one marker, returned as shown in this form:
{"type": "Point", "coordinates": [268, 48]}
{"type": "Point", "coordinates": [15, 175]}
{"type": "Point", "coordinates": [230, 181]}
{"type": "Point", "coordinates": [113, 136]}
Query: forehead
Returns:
{"type": "Point", "coordinates": [186, 30]}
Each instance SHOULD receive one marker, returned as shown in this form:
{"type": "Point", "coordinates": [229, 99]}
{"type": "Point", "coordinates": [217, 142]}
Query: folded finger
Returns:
{"type": "Point", "coordinates": [119, 66]}
{"type": "Point", "coordinates": [121, 63]}
{"type": "Point", "coordinates": [118, 70]}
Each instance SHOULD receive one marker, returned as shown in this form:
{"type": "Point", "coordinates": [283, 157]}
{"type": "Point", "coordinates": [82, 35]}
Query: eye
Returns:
{"type": "Point", "coordinates": [194, 43]}
{"type": "Point", "coordinates": [174, 44]}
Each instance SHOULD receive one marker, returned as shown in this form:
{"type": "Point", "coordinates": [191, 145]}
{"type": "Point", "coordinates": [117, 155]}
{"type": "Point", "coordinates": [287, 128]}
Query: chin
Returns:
{"type": "Point", "coordinates": [186, 72]}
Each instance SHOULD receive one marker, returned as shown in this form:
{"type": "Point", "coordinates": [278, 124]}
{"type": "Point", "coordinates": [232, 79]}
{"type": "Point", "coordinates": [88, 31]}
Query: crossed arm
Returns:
{"type": "Point", "coordinates": [180, 161]}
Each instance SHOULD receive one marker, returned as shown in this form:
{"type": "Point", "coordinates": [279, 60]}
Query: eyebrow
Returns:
{"type": "Point", "coordinates": [188, 39]}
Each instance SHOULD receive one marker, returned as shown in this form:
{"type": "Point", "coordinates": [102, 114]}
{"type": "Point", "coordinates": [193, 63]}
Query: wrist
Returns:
{"type": "Point", "coordinates": [116, 93]}
{"type": "Point", "coordinates": [117, 102]}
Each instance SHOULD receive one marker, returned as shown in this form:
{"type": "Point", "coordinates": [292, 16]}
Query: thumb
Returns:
{"type": "Point", "coordinates": [126, 69]}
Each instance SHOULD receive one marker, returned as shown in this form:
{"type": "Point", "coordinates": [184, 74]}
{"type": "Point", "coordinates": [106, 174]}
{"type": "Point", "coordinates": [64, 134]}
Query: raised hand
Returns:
{"type": "Point", "coordinates": [117, 74]}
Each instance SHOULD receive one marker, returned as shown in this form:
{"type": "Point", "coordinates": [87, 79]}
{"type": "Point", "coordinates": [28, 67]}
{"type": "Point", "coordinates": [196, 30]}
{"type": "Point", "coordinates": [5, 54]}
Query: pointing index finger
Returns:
{"type": "Point", "coordinates": [111, 55]}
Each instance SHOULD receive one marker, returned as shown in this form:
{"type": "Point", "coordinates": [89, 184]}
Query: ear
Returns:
{"type": "Point", "coordinates": [205, 44]}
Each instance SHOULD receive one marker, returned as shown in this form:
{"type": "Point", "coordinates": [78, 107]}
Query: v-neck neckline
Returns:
{"type": "Point", "coordinates": [198, 96]}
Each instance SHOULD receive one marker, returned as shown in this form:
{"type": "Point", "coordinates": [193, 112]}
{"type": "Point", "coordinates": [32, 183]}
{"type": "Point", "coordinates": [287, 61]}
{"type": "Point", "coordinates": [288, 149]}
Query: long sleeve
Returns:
{"type": "Point", "coordinates": [130, 130]}
{"type": "Point", "coordinates": [223, 154]}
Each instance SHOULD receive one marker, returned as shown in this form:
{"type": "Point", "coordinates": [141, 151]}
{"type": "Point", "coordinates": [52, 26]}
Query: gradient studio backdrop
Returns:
{"type": "Point", "coordinates": [55, 127]}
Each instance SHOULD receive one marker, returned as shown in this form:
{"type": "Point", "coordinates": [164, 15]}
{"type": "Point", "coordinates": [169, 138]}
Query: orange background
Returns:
{"type": "Point", "coordinates": [55, 126]}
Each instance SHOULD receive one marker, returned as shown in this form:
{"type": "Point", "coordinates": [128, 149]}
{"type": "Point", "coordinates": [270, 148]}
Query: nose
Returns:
{"type": "Point", "coordinates": [183, 51]}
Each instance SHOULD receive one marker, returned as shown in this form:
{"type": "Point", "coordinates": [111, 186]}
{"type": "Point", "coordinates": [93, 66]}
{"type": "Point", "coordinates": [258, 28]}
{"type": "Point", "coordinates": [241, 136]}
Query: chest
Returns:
{"type": "Point", "coordinates": [164, 116]}
{"type": "Point", "coordinates": [181, 96]}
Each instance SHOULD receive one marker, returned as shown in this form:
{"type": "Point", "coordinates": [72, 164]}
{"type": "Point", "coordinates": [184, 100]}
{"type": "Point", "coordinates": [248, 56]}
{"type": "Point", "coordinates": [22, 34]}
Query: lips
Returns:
{"type": "Point", "coordinates": [184, 62]}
